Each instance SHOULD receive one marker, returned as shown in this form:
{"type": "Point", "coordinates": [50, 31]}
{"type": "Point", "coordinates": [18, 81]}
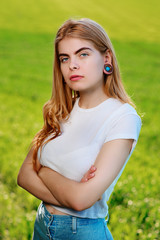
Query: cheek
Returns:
{"type": "Point", "coordinates": [97, 68]}
{"type": "Point", "coordinates": [98, 63]}
{"type": "Point", "coordinates": [63, 70]}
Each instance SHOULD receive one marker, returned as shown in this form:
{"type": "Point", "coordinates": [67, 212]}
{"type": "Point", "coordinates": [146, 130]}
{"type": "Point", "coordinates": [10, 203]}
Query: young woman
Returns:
{"type": "Point", "coordinates": [90, 131]}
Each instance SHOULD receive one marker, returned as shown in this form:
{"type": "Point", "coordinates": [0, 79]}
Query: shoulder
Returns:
{"type": "Point", "coordinates": [125, 124]}
{"type": "Point", "coordinates": [123, 109]}
{"type": "Point", "coordinates": [128, 113]}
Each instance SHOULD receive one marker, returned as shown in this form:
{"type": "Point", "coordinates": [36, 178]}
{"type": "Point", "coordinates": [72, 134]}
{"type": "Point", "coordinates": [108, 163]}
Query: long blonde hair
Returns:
{"type": "Point", "coordinates": [58, 108]}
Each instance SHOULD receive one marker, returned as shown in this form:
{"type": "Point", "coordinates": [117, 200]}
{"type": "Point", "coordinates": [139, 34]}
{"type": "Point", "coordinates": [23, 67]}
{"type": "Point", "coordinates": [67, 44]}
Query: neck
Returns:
{"type": "Point", "coordinates": [92, 99]}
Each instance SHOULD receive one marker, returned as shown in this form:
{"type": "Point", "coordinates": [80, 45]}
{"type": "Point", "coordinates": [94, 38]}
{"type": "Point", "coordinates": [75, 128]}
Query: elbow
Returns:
{"type": "Point", "coordinates": [76, 206]}
{"type": "Point", "coordinates": [80, 203]}
{"type": "Point", "coordinates": [20, 179]}
{"type": "Point", "coordinates": [79, 206]}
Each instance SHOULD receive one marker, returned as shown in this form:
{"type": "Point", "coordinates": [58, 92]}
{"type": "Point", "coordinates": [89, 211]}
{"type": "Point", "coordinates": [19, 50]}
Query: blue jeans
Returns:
{"type": "Point", "coordinates": [64, 227]}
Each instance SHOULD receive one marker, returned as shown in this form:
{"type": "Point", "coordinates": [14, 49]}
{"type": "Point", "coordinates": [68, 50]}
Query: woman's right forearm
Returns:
{"type": "Point", "coordinates": [29, 180]}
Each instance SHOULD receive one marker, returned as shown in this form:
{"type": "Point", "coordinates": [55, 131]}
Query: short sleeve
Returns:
{"type": "Point", "coordinates": [126, 127]}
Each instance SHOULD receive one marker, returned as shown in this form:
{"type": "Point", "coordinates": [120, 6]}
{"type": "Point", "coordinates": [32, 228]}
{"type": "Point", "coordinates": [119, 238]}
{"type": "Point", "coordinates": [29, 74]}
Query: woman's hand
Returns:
{"type": "Point", "coordinates": [82, 195]}
{"type": "Point", "coordinates": [89, 174]}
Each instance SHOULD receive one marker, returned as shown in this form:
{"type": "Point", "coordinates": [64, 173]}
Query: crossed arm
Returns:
{"type": "Point", "coordinates": [54, 188]}
{"type": "Point", "coordinates": [29, 180]}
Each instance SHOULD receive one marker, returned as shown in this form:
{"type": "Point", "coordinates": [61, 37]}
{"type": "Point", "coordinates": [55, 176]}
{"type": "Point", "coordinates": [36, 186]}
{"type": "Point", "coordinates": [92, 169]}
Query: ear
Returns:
{"type": "Point", "coordinates": [108, 57]}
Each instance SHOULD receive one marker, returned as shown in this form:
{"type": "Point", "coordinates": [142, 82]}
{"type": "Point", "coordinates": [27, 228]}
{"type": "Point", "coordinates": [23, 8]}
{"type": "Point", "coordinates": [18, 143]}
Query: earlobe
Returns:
{"type": "Point", "coordinates": [108, 69]}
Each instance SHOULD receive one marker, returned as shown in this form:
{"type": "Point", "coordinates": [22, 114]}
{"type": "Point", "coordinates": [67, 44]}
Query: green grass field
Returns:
{"type": "Point", "coordinates": [27, 31]}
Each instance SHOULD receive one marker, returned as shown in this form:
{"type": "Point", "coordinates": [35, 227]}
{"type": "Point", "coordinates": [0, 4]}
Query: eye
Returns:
{"type": "Point", "coordinates": [84, 54]}
{"type": "Point", "coordinates": [65, 59]}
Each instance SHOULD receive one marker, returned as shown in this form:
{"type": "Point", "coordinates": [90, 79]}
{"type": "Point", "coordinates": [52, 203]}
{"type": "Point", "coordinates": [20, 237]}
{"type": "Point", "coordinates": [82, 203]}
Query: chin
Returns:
{"type": "Point", "coordinates": [77, 87]}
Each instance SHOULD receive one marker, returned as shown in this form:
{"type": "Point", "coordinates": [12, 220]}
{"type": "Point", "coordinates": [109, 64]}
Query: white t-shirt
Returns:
{"type": "Point", "coordinates": [83, 135]}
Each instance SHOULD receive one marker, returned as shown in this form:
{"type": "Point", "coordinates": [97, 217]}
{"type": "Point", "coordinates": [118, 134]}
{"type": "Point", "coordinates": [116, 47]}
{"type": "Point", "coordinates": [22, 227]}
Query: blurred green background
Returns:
{"type": "Point", "coordinates": [27, 31]}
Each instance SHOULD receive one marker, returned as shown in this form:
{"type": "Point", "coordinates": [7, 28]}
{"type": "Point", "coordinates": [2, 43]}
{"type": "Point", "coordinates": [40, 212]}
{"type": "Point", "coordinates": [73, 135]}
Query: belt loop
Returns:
{"type": "Point", "coordinates": [107, 220]}
{"type": "Point", "coordinates": [74, 223]}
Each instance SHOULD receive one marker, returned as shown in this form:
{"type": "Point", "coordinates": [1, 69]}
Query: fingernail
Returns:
{"type": "Point", "coordinates": [92, 174]}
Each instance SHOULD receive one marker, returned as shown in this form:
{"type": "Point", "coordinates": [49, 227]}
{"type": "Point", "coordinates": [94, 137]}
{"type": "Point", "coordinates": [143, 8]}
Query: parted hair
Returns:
{"type": "Point", "coordinates": [58, 108]}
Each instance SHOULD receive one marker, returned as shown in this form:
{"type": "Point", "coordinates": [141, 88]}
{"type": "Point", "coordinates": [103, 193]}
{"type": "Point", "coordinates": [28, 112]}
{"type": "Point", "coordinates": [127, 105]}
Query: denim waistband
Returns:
{"type": "Point", "coordinates": [69, 218]}
{"type": "Point", "coordinates": [51, 226]}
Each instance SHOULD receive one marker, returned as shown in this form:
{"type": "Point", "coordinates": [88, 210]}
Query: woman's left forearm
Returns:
{"type": "Point", "coordinates": [68, 192]}
{"type": "Point", "coordinates": [80, 196]}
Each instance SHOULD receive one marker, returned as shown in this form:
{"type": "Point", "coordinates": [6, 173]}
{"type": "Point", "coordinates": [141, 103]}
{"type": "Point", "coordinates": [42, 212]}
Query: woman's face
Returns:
{"type": "Point", "coordinates": [81, 64]}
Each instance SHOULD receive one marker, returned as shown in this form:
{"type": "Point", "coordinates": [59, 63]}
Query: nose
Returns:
{"type": "Point", "coordinates": [73, 65]}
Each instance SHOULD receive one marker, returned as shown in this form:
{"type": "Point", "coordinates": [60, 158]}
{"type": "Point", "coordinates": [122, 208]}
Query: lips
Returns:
{"type": "Point", "coordinates": [75, 77]}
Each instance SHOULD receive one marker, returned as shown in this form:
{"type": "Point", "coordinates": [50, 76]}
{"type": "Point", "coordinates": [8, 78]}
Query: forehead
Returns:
{"type": "Point", "coordinates": [69, 45]}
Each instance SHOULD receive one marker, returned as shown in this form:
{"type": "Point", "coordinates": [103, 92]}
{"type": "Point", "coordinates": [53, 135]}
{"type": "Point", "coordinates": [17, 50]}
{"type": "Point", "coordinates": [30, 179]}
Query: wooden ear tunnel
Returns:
{"type": "Point", "coordinates": [108, 69]}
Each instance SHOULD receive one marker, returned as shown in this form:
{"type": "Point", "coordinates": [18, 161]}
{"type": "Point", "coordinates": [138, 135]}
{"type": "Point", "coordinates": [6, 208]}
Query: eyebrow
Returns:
{"type": "Point", "coordinates": [76, 52]}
